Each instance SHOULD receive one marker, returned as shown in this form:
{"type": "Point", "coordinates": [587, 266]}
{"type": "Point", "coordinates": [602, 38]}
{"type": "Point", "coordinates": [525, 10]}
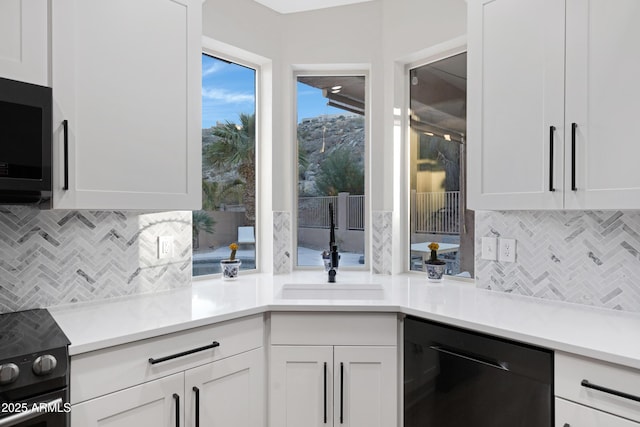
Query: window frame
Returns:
{"type": "Point", "coordinates": [234, 55]}
{"type": "Point", "coordinates": [341, 72]}
{"type": "Point", "coordinates": [437, 53]}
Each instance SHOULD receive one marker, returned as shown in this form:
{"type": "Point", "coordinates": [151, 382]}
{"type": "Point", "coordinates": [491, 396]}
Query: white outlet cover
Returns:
{"type": "Point", "coordinates": [165, 247]}
{"type": "Point", "coordinates": [490, 248]}
{"type": "Point", "coordinates": [507, 250]}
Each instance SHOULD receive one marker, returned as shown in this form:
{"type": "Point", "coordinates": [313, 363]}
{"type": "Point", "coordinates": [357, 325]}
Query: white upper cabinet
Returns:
{"type": "Point", "coordinates": [602, 93]}
{"type": "Point", "coordinates": [127, 80]}
{"type": "Point", "coordinates": [24, 48]}
{"type": "Point", "coordinates": [536, 68]}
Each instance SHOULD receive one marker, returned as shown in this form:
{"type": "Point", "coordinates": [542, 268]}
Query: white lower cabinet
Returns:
{"type": "Point", "coordinates": [592, 393]}
{"type": "Point", "coordinates": [207, 376]}
{"type": "Point", "coordinates": [315, 383]}
{"type": "Point", "coordinates": [150, 404]}
{"type": "Point", "coordinates": [569, 414]}
{"type": "Point", "coordinates": [227, 393]}
{"type": "Point", "coordinates": [333, 386]}
{"type": "Point", "coordinates": [301, 386]}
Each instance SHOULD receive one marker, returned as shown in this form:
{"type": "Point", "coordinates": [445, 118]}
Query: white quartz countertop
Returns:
{"type": "Point", "coordinates": [593, 332]}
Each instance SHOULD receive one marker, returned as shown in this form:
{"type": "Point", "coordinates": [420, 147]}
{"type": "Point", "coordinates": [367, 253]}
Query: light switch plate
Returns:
{"type": "Point", "coordinates": [490, 248]}
{"type": "Point", "coordinates": [507, 250]}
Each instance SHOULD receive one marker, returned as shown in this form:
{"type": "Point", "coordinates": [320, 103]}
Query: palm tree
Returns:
{"type": "Point", "coordinates": [235, 146]}
{"type": "Point", "coordinates": [201, 221]}
{"type": "Point", "coordinates": [214, 193]}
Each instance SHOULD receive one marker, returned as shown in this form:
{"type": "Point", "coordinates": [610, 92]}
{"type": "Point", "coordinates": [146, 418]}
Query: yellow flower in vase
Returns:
{"type": "Point", "coordinates": [234, 248]}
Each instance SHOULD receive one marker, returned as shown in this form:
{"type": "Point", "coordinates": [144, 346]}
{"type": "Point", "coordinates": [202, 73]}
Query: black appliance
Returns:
{"type": "Point", "coordinates": [25, 143]}
{"type": "Point", "coordinates": [456, 378]}
{"type": "Point", "coordinates": [34, 371]}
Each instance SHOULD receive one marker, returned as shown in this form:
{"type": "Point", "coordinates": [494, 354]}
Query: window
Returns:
{"type": "Point", "coordinates": [438, 110]}
{"type": "Point", "coordinates": [228, 167]}
{"type": "Point", "coordinates": [331, 135]}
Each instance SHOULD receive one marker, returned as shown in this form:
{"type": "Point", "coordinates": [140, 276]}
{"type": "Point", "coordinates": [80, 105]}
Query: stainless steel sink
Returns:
{"type": "Point", "coordinates": [350, 291]}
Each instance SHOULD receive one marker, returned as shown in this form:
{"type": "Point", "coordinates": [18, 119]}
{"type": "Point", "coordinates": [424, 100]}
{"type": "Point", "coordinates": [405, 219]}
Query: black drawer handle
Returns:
{"type": "Point", "coordinates": [176, 397]}
{"type": "Point", "coordinates": [574, 126]}
{"type": "Point", "coordinates": [341, 393]}
{"type": "Point", "coordinates": [65, 128]}
{"type": "Point", "coordinates": [587, 384]}
{"type": "Point", "coordinates": [325, 392]}
{"type": "Point", "coordinates": [184, 353]}
{"type": "Point", "coordinates": [552, 130]}
{"type": "Point", "coordinates": [471, 357]}
{"type": "Point", "coordinates": [197, 391]}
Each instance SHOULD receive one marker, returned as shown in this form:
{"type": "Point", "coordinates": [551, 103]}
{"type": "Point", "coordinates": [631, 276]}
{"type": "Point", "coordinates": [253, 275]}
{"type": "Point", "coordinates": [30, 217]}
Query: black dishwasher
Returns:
{"type": "Point", "coordinates": [455, 378]}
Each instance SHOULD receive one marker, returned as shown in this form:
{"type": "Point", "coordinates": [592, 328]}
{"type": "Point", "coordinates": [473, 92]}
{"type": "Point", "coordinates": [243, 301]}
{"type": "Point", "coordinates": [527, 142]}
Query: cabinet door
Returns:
{"type": "Point", "coordinates": [569, 414]}
{"type": "Point", "coordinates": [228, 393]}
{"type": "Point", "coordinates": [126, 77]}
{"type": "Point", "coordinates": [24, 36]}
{"type": "Point", "coordinates": [149, 404]}
{"type": "Point", "coordinates": [301, 387]}
{"type": "Point", "coordinates": [515, 96]}
{"type": "Point", "coordinates": [365, 386]}
{"type": "Point", "coordinates": [603, 65]}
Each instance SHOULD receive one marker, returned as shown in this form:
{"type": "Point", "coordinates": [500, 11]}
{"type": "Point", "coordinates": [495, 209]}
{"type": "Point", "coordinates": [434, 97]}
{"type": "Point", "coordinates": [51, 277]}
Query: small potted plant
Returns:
{"type": "Point", "coordinates": [435, 267]}
{"type": "Point", "coordinates": [230, 267]}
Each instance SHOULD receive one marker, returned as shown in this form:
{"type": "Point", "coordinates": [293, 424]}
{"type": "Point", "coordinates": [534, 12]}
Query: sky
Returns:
{"type": "Point", "coordinates": [229, 89]}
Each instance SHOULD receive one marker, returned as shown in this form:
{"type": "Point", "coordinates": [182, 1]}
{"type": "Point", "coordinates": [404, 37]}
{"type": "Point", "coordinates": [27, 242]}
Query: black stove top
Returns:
{"type": "Point", "coordinates": [34, 357]}
{"type": "Point", "coordinates": [28, 332]}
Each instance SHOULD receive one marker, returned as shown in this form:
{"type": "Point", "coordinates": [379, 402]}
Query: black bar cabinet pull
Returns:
{"type": "Point", "coordinates": [65, 129]}
{"type": "Point", "coordinates": [341, 393]}
{"type": "Point", "coordinates": [325, 392]}
{"type": "Point", "coordinates": [184, 353]}
{"type": "Point", "coordinates": [471, 357]}
{"type": "Point", "coordinates": [574, 126]}
{"type": "Point", "coordinates": [176, 397]}
{"type": "Point", "coordinates": [587, 384]}
{"type": "Point", "coordinates": [197, 391]}
{"type": "Point", "coordinates": [566, 425]}
{"type": "Point", "coordinates": [552, 130]}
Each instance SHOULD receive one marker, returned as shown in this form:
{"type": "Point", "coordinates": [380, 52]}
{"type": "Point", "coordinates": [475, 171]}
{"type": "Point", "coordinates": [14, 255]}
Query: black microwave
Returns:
{"type": "Point", "coordinates": [25, 143]}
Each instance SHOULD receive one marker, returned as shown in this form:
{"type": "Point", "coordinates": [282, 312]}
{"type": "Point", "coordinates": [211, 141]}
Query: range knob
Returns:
{"type": "Point", "coordinates": [44, 364]}
{"type": "Point", "coordinates": [8, 373]}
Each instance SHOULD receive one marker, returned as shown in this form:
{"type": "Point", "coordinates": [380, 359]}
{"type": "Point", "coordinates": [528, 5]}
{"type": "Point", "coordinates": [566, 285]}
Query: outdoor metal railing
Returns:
{"type": "Point", "coordinates": [436, 212]}
{"type": "Point", "coordinates": [355, 213]}
{"type": "Point", "coordinates": [313, 212]}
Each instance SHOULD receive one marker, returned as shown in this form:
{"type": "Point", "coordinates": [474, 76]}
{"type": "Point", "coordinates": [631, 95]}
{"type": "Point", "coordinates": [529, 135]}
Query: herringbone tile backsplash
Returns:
{"type": "Point", "coordinates": [585, 257]}
{"type": "Point", "coordinates": [55, 257]}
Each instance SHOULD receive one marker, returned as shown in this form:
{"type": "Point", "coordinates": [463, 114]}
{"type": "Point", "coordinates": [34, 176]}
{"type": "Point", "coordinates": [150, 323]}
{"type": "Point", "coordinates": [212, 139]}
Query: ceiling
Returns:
{"type": "Point", "coordinates": [349, 97]}
{"type": "Point", "coordinates": [439, 97]}
{"type": "Point", "coordinates": [293, 6]}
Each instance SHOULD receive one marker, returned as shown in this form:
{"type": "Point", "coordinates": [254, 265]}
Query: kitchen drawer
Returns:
{"type": "Point", "coordinates": [571, 370]}
{"type": "Point", "coordinates": [334, 328]}
{"type": "Point", "coordinates": [104, 371]}
{"type": "Point", "coordinates": [569, 414]}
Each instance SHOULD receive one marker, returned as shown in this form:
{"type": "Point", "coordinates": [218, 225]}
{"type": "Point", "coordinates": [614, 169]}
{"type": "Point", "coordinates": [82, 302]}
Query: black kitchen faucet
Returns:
{"type": "Point", "coordinates": [333, 247]}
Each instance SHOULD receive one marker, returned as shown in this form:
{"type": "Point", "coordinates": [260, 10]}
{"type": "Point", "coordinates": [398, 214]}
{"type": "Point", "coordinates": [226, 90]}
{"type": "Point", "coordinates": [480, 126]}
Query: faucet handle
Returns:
{"type": "Point", "coordinates": [332, 275]}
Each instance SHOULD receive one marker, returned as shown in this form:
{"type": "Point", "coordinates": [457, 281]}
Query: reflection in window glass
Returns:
{"type": "Point", "coordinates": [228, 167]}
{"type": "Point", "coordinates": [437, 166]}
{"type": "Point", "coordinates": [331, 151]}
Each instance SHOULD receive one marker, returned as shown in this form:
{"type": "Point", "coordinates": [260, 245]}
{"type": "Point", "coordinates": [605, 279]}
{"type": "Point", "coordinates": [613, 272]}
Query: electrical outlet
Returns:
{"type": "Point", "coordinates": [507, 250]}
{"type": "Point", "coordinates": [165, 247]}
{"type": "Point", "coordinates": [490, 248]}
